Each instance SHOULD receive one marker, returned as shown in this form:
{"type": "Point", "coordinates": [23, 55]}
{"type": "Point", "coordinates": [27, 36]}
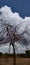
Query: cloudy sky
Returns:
{"type": "Point", "coordinates": [12, 12]}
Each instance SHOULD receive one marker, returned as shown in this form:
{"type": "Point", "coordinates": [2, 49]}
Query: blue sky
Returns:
{"type": "Point", "coordinates": [20, 6]}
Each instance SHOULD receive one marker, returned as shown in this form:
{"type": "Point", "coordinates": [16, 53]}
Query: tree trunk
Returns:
{"type": "Point", "coordinates": [14, 56]}
{"type": "Point", "coordinates": [9, 48]}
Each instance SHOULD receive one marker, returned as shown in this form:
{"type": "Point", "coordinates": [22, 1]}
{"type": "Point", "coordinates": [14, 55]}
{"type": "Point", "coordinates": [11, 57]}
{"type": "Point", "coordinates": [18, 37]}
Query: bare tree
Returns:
{"type": "Point", "coordinates": [12, 37]}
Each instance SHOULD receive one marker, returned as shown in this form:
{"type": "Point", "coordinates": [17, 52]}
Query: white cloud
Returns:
{"type": "Point", "coordinates": [4, 48]}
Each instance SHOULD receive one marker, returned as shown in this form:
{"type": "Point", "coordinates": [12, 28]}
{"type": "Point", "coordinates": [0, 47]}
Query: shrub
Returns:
{"type": "Point", "coordinates": [27, 52]}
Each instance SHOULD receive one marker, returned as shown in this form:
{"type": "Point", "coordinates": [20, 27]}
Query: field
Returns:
{"type": "Point", "coordinates": [19, 61]}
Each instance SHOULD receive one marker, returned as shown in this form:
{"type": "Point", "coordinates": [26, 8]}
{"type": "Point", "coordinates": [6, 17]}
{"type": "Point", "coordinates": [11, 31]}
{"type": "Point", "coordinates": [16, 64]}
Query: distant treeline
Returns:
{"type": "Point", "coordinates": [22, 55]}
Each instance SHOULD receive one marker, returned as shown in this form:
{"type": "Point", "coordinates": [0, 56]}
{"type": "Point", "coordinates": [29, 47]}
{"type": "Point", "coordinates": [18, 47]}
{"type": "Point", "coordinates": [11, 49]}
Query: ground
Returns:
{"type": "Point", "coordinates": [19, 61]}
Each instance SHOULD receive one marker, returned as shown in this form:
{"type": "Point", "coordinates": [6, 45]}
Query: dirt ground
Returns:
{"type": "Point", "coordinates": [19, 61]}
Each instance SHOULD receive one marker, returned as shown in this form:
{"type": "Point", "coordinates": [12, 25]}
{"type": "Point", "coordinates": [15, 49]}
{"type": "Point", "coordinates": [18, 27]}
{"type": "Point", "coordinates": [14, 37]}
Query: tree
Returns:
{"type": "Point", "coordinates": [11, 37]}
{"type": "Point", "coordinates": [28, 52]}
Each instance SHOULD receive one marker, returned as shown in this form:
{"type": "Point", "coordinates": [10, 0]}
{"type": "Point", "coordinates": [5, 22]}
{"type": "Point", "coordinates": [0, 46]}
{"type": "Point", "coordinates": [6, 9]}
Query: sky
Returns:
{"type": "Point", "coordinates": [20, 6]}
{"type": "Point", "coordinates": [13, 12]}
